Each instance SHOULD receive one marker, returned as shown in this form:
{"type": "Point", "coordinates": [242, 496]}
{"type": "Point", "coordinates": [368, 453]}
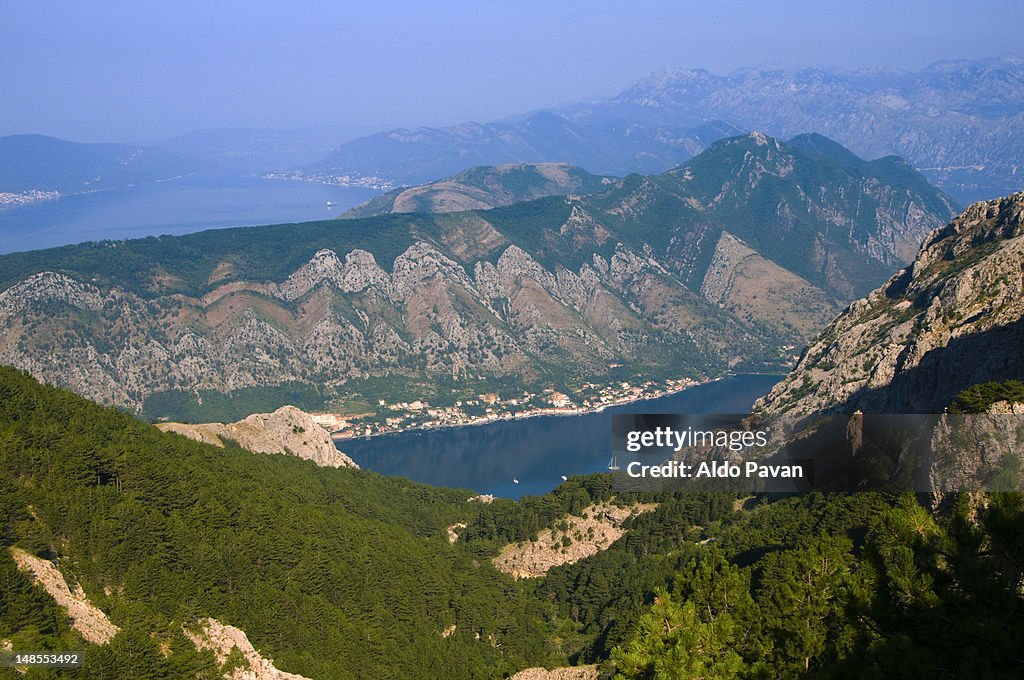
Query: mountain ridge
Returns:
{"type": "Point", "coordinates": [551, 293]}
{"type": "Point", "coordinates": [484, 187]}
{"type": "Point", "coordinates": [405, 156]}
{"type": "Point", "coordinates": [958, 122]}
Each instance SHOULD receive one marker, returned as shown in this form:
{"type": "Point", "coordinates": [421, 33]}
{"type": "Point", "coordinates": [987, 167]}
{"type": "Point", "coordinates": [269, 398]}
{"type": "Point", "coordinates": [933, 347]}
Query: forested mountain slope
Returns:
{"type": "Point", "coordinates": [333, 573]}
{"type": "Point", "coordinates": [337, 573]}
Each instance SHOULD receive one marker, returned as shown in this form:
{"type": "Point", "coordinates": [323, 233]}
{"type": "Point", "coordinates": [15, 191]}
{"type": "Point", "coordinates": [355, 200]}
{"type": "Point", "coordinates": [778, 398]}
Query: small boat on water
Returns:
{"type": "Point", "coordinates": [515, 481]}
{"type": "Point", "coordinates": [613, 465]}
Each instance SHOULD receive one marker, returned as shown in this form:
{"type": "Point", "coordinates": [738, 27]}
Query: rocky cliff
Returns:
{"type": "Point", "coordinates": [949, 321]}
{"type": "Point", "coordinates": [84, 617]}
{"type": "Point", "coordinates": [224, 640]}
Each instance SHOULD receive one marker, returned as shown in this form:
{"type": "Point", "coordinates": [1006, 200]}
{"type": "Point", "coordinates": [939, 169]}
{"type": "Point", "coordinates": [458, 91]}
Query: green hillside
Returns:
{"type": "Point", "coordinates": [344, 573]}
{"type": "Point", "coordinates": [305, 560]}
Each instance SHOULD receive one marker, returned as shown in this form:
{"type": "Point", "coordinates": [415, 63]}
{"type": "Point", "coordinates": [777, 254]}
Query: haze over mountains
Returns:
{"type": "Point", "coordinates": [726, 262]}
{"type": "Point", "coordinates": [415, 156]}
{"type": "Point", "coordinates": [41, 163]}
{"type": "Point", "coordinates": [960, 122]}
{"type": "Point", "coordinates": [485, 187]}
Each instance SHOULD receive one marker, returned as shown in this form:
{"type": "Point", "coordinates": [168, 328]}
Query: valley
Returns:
{"type": "Point", "coordinates": [175, 542]}
{"type": "Point", "coordinates": [318, 361]}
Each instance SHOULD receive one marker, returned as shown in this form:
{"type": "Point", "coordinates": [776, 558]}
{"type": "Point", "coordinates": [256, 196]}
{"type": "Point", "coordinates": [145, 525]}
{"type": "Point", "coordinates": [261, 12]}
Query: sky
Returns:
{"type": "Point", "coordinates": [139, 71]}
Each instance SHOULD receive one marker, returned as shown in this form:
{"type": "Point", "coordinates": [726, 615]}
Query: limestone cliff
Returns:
{"type": "Point", "coordinates": [951, 320]}
{"type": "Point", "coordinates": [287, 430]}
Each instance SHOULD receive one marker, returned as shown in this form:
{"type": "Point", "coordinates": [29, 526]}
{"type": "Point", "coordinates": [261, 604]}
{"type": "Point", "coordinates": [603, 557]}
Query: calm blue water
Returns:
{"type": "Point", "coordinates": [536, 451]}
{"type": "Point", "coordinates": [173, 207]}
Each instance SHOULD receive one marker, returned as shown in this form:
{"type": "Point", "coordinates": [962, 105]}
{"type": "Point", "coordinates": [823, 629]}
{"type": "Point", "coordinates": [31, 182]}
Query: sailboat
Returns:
{"type": "Point", "coordinates": [612, 465]}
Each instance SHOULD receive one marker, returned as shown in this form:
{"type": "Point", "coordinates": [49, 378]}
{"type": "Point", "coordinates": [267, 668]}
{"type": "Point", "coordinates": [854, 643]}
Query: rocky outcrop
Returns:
{"type": "Point", "coordinates": [223, 640]}
{"type": "Point", "coordinates": [951, 320]}
{"type": "Point", "coordinates": [565, 673]}
{"type": "Point", "coordinates": [359, 272]}
{"type": "Point", "coordinates": [84, 617]}
{"type": "Point", "coordinates": [453, 533]}
{"type": "Point", "coordinates": [287, 430]}
{"type": "Point", "coordinates": [971, 452]}
{"type": "Point", "coordinates": [570, 540]}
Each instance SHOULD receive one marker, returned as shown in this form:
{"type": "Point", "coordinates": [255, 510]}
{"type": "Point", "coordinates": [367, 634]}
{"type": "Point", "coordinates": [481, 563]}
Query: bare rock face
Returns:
{"type": "Point", "coordinates": [287, 430]}
{"type": "Point", "coordinates": [223, 639]}
{"type": "Point", "coordinates": [744, 282]}
{"type": "Point", "coordinates": [979, 447]}
{"type": "Point", "coordinates": [85, 618]}
{"type": "Point", "coordinates": [950, 320]}
{"type": "Point", "coordinates": [594, 530]}
{"type": "Point", "coordinates": [589, 672]}
{"type": "Point", "coordinates": [359, 272]}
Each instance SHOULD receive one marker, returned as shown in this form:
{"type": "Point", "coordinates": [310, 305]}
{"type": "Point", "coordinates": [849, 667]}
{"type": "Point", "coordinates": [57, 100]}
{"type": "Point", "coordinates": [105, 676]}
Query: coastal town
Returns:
{"type": "Point", "coordinates": [492, 406]}
{"type": "Point", "coordinates": [340, 180]}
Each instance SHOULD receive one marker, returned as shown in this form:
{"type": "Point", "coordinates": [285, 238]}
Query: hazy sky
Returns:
{"type": "Point", "coordinates": [133, 71]}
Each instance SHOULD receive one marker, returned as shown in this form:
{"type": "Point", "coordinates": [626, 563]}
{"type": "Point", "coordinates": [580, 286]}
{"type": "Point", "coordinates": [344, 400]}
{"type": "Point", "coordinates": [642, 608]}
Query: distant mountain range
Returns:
{"type": "Point", "coordinates": [40, 163]}
{"type": "Point", "coordinates": [253, 150]}
{"type": "Point", "coordinates": [402, 157]}
{"type": "Point", "coordinates": [727, 262]}
{"type": "Point", "coordinates": [961, 123]}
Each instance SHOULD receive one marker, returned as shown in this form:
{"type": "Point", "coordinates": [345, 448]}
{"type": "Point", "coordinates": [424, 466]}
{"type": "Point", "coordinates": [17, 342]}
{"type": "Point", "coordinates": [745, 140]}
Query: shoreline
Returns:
{"type": "Point", "coordinates": [577, 411]}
